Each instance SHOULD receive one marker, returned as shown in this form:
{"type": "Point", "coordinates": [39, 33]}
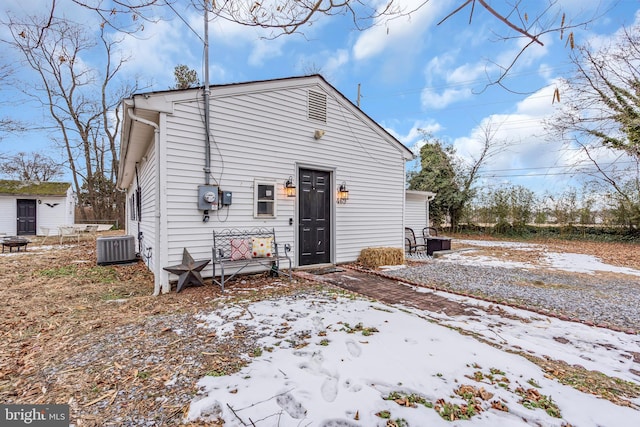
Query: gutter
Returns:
{"type": "Point", "coordinates": [157, 271]}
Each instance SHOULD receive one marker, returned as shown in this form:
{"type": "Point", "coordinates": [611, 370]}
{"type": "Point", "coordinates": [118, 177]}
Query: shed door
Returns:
{"type": "Point", "coordinates": [26, 217]}
{"type": "Point", "coordinates": [314, 227]}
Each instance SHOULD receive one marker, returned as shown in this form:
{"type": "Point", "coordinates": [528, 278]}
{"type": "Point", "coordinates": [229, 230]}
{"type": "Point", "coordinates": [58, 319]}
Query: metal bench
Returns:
{"type": "Point", "coordinates": [240, 249]}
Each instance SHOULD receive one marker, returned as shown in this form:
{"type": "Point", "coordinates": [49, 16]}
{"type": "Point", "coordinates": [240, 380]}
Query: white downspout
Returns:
{"type": "Point", "coordinates": [157, 270]}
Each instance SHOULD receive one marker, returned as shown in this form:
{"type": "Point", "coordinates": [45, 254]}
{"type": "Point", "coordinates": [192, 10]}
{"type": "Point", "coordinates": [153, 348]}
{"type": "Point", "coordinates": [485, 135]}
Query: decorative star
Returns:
{"type": "Point", "coordinates": [189, 271]}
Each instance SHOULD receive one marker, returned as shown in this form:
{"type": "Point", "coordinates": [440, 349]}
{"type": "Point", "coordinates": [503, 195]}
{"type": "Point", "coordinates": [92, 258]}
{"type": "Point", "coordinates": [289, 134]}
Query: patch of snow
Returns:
{"type": "Point", "coordinates": [314, 372]}
{"type": "Point", "coordinates": [580, 263]}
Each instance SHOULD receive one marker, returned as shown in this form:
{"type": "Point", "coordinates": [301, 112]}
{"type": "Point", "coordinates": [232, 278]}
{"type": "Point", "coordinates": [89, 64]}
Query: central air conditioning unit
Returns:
{"type": "Point", "coordinates": [115, 250]}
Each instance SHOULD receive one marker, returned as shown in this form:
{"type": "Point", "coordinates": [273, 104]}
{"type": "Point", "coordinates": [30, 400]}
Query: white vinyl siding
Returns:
{"type": "Point", "coordinates": [416, 213]}
{"type": "Point", "coordinates": [262, 134]}
{"type": "Point", "coordinates": [8, 223]}
{"type": "Point", "coordinates": [147, 180]}
{"type": "Point", "coordinates": [264, 137]}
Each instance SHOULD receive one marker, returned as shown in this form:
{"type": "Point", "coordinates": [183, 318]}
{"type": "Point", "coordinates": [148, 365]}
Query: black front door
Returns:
{"type": "Point", "coordinates": [26, 217]}
{"type": "Point", "coordinates": [314, 228]}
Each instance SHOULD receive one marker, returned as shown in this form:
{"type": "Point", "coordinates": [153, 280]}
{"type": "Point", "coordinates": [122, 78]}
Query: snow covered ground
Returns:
{"type": "Point", "coordinates": [328, 360]}
{"type": "Point", "coordinates": [577, 263]}
{"type": "Point", "coordinates": [335, 361]}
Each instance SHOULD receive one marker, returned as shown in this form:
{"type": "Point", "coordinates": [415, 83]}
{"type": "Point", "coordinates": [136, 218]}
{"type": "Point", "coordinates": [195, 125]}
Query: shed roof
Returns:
{"type": "Point", "coordinates": [23, 188]}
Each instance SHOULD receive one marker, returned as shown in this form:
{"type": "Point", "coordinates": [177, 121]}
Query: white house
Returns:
{"type": "Point", "coordinates": [28, 208]}
{"type": "Point", "coordinates": [261, 135]}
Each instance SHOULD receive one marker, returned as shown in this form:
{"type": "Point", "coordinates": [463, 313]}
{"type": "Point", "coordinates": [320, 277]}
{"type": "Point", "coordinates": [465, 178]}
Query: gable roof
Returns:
{"type": "Point", "coordinates": [23, 188]}
{"type": "Point", "coordinates": [146, 107]}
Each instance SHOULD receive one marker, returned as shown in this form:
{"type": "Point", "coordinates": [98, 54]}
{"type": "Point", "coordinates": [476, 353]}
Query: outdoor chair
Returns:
{"type": "Point", "coordinates": [46, 231]}
{"type": "Point", "coordinates": [91, 229]}
{"type": "Point", "coordinates": [429, 231]}
{"type": "Point", "coordinates": [69, 232]}
{"type": "Point", "coordinates": [411, 245]}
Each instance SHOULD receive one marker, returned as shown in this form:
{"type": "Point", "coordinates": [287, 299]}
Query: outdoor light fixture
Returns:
{"type": "Point", "coordinates": [343, 193]}
{"type": "Point", "coordinates": [290, 188]}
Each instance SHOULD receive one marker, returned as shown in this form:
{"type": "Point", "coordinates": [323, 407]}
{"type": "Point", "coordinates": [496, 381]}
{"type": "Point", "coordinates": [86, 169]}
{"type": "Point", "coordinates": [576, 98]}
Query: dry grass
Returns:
{"type": "Point", "coordinates": [78, 333]}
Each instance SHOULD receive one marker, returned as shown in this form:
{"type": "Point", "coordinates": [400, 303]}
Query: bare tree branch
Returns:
{"type": "Point", "coordinates": [79, 100]}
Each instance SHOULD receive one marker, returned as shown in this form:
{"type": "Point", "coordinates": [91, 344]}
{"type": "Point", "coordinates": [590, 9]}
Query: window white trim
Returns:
{"type": "Point", "coordinates": [265, 199]}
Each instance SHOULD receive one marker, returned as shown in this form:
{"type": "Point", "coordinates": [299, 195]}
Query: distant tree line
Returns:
{"type": "Point", "coordinates": [514, 208]}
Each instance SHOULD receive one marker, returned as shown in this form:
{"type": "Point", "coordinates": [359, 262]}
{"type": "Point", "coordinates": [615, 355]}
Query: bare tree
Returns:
{"type": "Point", "coordinates": [601, 111]}
{"type": "Point", "coordinates": [32, 167]}
{"type": "Point", "coordinates": [8, 124]}
{"type": "Point", "coordinates": [453, 178]}
{"type": "Point", "coordinates": [79, 99]}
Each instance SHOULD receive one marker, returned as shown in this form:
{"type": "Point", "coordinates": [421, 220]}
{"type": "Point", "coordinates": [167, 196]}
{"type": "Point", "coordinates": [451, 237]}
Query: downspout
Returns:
{"type": "Point", "coordinates": [157, 271]}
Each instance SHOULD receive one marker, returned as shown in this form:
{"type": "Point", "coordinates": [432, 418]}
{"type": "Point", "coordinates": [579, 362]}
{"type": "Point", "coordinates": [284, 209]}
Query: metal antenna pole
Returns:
{"type": "Point", "coordinates": [207, 148]}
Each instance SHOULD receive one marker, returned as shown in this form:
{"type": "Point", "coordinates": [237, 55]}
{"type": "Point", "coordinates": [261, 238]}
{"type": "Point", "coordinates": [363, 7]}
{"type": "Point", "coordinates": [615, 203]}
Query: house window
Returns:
{"type": "Point", "coordinates": [317, 106]}
{"type": "Point", "coordinates": [264, 197]}
{"type": "Point", "coordinates": [132, 207]}
{"type": "Point", "coordinates": [135, 205]}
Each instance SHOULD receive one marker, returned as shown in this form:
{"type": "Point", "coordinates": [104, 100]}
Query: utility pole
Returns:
{"type": "Point", "coordinates": [358, 99]}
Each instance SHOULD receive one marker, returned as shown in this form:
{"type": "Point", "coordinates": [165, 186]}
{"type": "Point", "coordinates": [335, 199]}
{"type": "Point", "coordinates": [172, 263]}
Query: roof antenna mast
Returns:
{"type": "Point", "coordinates": [207, 147]}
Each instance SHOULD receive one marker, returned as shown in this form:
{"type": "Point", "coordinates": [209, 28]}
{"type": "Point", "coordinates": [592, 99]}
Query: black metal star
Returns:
{"type": "Point", "coordinates": [189, 271]}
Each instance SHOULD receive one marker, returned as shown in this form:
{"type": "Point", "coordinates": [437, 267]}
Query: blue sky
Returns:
{"type": "Point", "coordinates": [413, 74]}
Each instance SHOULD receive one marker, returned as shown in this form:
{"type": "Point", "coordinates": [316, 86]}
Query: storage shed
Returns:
{"type": "Point", "coordinates": [34, 208]}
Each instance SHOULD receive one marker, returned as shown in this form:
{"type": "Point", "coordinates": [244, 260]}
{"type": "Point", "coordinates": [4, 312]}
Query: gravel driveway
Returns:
{"type": "Point", "coordinates": [523, 276]}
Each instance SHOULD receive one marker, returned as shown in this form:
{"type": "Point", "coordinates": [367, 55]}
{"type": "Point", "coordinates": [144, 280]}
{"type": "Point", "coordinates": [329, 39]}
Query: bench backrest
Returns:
{"type": "Point", "coordinates": [222, 240]}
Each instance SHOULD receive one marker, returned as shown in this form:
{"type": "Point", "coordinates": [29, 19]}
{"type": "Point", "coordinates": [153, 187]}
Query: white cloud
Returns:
{"type": "Point", "coordinates": [401, 33]}
{"type": "Point", "coordinates": [265, 49]}
{"type": "Point", "coordinates": [163, 47]}
{"type": "Point", "coordinates": [414, 138]}
{"type": "Point", "coordinates": [336, 61]}
{"type": "Point", "coordinates": [433, 100]}
{"type": "Point", "coordinates": [457, 81]}
{"type": "Point", "coordinates": [530, 157]}
{"type": "Point", "coordinates": [256, 41]}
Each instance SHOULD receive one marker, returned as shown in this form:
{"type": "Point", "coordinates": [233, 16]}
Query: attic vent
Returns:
{"type": "Point", "coordinates": [317, 106]}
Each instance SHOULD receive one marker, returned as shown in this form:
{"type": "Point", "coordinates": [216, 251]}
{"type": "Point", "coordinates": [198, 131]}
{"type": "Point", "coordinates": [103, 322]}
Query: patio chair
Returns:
{"type": "Point", "coordinates": [429, 231]}
{"type": "Point", "coordinates": [411, 245]}
{"type": "Point", "coordinates": [69, 231]}
{"type": "Point", "coordinates": [46, 231]}
{"type": "Point", "coordinates": [91, 229]}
